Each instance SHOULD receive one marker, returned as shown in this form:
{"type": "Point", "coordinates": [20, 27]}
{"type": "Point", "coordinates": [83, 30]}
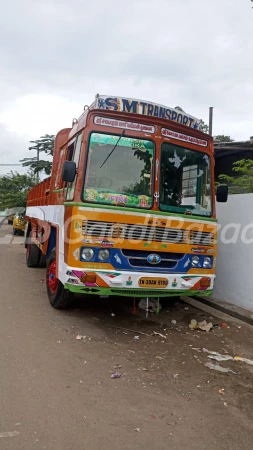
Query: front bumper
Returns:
{"type": "Point", "coordinates": [138, 284]}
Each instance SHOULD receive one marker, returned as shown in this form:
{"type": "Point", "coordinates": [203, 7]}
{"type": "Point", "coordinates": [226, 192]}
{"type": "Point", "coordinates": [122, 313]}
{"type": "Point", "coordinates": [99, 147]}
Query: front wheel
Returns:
{"type": "Point", "coordinates": [59, 297]}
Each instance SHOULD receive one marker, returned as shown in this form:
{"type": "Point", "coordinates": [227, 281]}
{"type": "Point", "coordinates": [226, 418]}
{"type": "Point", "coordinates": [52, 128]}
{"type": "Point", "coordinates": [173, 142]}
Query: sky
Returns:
{"type": "Point", "coordinates": [56, 55]}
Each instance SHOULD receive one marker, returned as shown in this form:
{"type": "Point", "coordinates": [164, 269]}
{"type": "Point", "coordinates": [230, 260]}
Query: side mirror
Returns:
{"type": "Point", "coordinates": [69, 171]}
{"type": "Point", "coordinates": [222, 193]}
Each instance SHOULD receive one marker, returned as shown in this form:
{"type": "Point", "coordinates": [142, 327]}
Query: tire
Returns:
{"type": "Point", "coordinates": [32, 254]}
{"type": "Point", "coordinates": [59, 297]}
{"type": "Point", "coordinates": [42, 260]}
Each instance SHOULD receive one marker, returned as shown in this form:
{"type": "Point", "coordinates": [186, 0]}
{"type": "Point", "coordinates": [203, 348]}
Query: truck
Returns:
{"type": "Point", "coordinates": [129, 209]}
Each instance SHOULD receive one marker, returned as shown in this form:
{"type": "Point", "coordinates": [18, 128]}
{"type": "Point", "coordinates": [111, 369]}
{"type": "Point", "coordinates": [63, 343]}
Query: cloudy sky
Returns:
{"type": "Point", "coordinates": [55, 55]}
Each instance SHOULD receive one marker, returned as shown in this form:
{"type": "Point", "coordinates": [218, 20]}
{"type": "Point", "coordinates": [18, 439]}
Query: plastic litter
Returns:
{"type": "Point", "coordinates": [213, 366]}
{"type": "Point", "coordinates": [246, 360]}
{"type": "Point", "coordinates": [220, 357]}
{"type": "Point", "coordinates": [204, 326]}
{"type": "Point", "coordinates": [159, 334]}
{"type": "Point", "coordinates": [174, 322]}
{"type": "Point", "coordinates": [136, 338]}
{"type": "Point", "coordinates": [137, 429]}
{"type": "Point", "coordinates": [79, 337]}
{"type": "Point", "coordinates": [115, 375]}
{"type": "Point", "coordinates": [224, 325]}
{"type": "Point", "coordinates": [221, 391]}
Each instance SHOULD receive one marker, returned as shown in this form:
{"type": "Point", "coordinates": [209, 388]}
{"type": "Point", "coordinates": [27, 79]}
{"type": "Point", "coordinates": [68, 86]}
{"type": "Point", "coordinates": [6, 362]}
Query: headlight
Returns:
{"type": "Point", "coordinates": [87, 254]}
{"type": "Point", "coordinates": [195, 261]}
{"type": "Point", "coordinates": [207, 262]}
{"type": "Point", "coordinates": [103, 254]}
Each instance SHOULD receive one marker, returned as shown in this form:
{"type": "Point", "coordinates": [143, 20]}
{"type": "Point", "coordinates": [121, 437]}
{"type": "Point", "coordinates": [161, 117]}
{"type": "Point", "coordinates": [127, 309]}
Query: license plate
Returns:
{"type": "Point", "coordinates": [151, 282]}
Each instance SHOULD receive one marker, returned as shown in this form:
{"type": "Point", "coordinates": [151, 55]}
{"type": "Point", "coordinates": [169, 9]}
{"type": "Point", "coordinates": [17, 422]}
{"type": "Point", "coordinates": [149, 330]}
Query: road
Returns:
{"type": "Point", "coordinates": [57, 393]}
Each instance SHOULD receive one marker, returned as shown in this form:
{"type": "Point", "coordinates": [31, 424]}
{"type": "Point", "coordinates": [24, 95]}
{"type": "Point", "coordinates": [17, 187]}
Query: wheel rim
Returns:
{"type": "Point", "coordinates": [52, 281]}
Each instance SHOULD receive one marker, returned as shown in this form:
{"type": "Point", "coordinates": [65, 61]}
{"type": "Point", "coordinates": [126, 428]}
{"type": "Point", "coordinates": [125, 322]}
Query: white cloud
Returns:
{"type": "Point", "coordinates": [56, 55]}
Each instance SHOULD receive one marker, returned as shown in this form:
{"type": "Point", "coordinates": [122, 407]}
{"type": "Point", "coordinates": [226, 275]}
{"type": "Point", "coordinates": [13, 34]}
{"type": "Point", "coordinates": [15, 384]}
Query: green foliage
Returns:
{"type": "Point", "coordinates": [43, 144]}
{"type": "Point", "coordinates": [37, 166]}
{"type": "Point", "coordinates": [14, 188]}
{"type": "Point", "coordinates": [203, 127]}
{"type": "Point", "coordinates": [242, 182]}
{"type": "Point", "coordinates": [222, 138]}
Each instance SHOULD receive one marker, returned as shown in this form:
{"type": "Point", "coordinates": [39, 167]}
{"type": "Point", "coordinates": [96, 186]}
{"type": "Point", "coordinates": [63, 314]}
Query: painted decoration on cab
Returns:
{"type": "Point", "coordinates": [112, 198]}
{"type": "Point", "coordinates": [147, 109]}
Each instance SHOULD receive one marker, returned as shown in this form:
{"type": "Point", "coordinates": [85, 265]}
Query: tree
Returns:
{"type": "Point", "coordinates": [242, 183]}
{"type": "Point", "coordinates": [14, 188]}
{"type": "Point", "coordinates": [203, 127]}
{"type": "Point", "coordinates": [222, 138]}
{"type": "Point", "coordinates": [43, 144]}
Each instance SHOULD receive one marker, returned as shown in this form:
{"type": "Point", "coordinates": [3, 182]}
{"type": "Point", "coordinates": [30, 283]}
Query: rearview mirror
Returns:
{"type": "Point", "coordinates": [69, 171]}
{"type": "Point", "coordinates": [222, 193]}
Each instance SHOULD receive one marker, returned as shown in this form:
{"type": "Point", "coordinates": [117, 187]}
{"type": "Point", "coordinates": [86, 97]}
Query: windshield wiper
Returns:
{"type": "Point", "coordinates": [122, 134]}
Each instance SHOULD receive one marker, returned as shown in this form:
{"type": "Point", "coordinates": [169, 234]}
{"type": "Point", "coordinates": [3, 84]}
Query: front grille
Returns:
{"type": "Point", "coordinates": [138, 262]}
{"type": "Point", "coordinates": [145, 253]}
{"type": "Point", "coordinates": [141, 292]}
{"type": "Point", "coordinates": [132, 232]}
{"type": "Point", "coordinates": [201, 238]}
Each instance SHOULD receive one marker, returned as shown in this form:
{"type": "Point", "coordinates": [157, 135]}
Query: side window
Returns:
{"type": "Point", "coordinates": [58, 180]}
{"type": "Point", "coordinates": [74, 155]}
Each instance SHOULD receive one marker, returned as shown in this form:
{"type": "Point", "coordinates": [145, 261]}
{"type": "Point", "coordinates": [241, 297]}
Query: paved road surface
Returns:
{"type": "Point", "coordinates": [56, 392]}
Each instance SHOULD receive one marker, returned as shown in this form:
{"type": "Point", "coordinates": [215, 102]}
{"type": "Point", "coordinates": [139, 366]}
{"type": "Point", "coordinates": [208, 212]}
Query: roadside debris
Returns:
{"type": "Point", "coordinates": [246, 360]}
{"type": "Point", "coordinates": [136, 338]}
{"type": "Point", "coordinates": [112, 314]}
{"type": "Point", "coordinates": [118, 366]}
{"type": "Point", "coordinates": [174, 322]}
{"type": "Point", "coordinates": [137, 429]}
{"type": "Point", "coordinates": [127, 329]}
{"type": "Point", "coordinates": [224, 325]}
{"type": "Point", "coordinates": [218, 357]}
{"type": "Point", "coordinates": [204, 326]}
{"type": "Point", "coordinates": [115, 375]}
{"type": "Point", "coordinates": [159, 334]}
{"type": "Point", "coordinates": [151, 305]}
{"type": "Point", "coordinates": [212, 366]}
{"type": "Point", "coordinates": [159, 357]}
{"type": "Point", "coordinates": [79, 337]}
{"type": "Point", "coordinates": [221, 391]}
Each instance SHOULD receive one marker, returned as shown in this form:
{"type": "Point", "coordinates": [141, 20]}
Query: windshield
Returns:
{"type": "Point", "coordinates": [185, 185]}
{"type": "Point", "coordinates": [122, 177]}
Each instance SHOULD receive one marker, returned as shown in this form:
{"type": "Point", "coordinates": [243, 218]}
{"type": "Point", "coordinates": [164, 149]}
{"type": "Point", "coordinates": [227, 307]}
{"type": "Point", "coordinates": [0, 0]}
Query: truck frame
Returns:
{"type": "Point", "coordinates": [129, 209]}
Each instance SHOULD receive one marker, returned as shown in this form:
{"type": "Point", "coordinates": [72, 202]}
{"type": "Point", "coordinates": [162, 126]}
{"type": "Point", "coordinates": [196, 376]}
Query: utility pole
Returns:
{"type": "Point", "coordinates": [211, 120]}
